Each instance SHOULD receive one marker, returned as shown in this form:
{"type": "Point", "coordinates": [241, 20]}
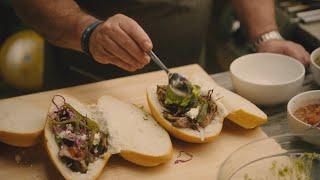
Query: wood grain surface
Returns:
{"type": "Point", "coordinates": [33, 163]}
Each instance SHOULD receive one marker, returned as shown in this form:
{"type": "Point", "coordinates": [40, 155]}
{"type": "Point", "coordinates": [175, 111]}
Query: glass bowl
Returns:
{"type": "Point", "coordinates": [284, 157]}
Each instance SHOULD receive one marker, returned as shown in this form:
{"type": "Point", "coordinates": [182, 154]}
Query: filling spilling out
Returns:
{"type": "Point", "coordinates": [79, 138]}
{"type": "Point", "coordinates": [190, 110]}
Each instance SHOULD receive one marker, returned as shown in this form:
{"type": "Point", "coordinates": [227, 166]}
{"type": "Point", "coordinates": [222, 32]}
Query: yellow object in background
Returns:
{"type": "Point", "coordinates": [22, 60]}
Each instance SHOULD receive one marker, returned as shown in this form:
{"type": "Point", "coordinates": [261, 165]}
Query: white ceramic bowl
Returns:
{"type": "Point", "coordinates": [266, 78]}
{"type": "Point", "coordinates": [315, 69]}
{"type": "Point", "coordinates": [297, 126]}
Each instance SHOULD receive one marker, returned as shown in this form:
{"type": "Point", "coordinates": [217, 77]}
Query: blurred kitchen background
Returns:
{"type": "Point", "coordinates": [26, 63]}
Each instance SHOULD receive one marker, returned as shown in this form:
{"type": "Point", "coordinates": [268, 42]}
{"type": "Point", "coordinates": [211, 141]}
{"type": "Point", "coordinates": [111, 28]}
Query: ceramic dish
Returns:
{"type": "Point", "coordinates": [298, 126]}
{"type": "Point", "coordinates": [267, 79]}
{"type": "Point", "coordinates": [314, 67]}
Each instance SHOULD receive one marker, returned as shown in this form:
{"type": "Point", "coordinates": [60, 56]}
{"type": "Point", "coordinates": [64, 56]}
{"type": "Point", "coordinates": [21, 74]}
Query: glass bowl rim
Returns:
{"type": "Point", "coordinates": [259, 140]}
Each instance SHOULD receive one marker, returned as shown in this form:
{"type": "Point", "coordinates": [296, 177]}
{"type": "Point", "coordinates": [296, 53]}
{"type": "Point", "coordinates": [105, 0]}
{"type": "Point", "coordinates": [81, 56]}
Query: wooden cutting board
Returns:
{"type": "Point", "coordinates": [33, 163]}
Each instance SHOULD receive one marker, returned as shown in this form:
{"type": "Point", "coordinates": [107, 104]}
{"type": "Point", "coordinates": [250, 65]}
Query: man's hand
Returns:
{"type": "Point", "coordinates": [122, 42]}
{"type": "Point", "coordinates": [119, 40]}
{"type": "Point", "coordinates": [259, 17]}
{"type": "Point", "coordinates": [287, 48]}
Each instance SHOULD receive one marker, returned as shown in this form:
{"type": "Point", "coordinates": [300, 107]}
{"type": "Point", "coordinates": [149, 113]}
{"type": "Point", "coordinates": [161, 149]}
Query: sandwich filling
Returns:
{"type": "Point", "coordinates": [191, 110]}
{"type": "Point", "coordinates": [79, 138]}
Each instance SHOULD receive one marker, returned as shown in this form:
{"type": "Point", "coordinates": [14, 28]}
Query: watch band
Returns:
{"type": "Point", "coordinates": [272, 35]}
{"type": "Point", "coordinates": [86, 37]}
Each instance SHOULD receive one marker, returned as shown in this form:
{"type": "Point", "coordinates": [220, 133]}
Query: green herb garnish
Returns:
{"type": "Point", "coordinates": [93, 126]}
{"type": "Point", "coordinates": [183, 101]}
{"type": "Point", "coordinates": [298, 168]}
{"type": "Point", "coordinates": [203, 112]}
{"type": "Point", "coordinates": [145, 112]}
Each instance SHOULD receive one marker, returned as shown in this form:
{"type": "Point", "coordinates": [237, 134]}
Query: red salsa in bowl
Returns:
{"type": "Point", "coordinates": [309, 114]}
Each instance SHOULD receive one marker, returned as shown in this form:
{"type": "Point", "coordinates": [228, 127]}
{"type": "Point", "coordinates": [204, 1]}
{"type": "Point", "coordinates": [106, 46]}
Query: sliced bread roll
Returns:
{"type": "Point", "coordinates": [204, 135]}
{"type": "Point", "coordinates": [132, 133]}
{"type": "Point", "coordinates": [231, 106]}
{"type": "Point", "coordinates": [21, 129]}
{"type": "Point", "coordinates": [240, 110]}
{"type": "Point", "coordinates": [94, 169]}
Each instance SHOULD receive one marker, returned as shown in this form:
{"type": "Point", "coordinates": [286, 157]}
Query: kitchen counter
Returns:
{"type": "Point", "coordinates": [277, 115]}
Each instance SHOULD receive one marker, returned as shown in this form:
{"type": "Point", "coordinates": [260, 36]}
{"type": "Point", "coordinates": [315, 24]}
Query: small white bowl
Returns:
{"type": "Point", "coordinates": [298, 126]}
{"type": "Point", "coordinates": [315, 69]}
{"type": "Point", "coordinates": [266, 78]}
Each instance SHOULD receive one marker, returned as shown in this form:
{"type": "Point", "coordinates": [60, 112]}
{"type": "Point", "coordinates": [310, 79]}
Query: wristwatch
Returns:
{"type": "Point", "coordinates": [271, 35]}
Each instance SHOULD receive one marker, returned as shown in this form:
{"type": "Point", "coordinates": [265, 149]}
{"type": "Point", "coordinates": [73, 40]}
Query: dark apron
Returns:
{"type": "Point", "coordinates": [177, 28]}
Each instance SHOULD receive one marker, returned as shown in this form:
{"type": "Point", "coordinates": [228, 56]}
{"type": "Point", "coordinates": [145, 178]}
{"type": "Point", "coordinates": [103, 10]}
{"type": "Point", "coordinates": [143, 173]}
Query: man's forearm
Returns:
{"type": "Point", "coordinates": [257, 15]}
{"type": "Point", "coordinates": [61, 22]}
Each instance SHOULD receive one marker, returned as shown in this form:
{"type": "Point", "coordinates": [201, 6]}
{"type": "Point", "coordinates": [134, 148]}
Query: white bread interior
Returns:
{"type": "Point", "coordinates": [20, 129]}
{"type": "Point", "coordinates": [187, 134]}
{"type": "Point", "coordinates": [133, 131]}
{"type": "Point", "coordinates": [141, 141]}
{"type": "Point", "coordinates": [94, 169]}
